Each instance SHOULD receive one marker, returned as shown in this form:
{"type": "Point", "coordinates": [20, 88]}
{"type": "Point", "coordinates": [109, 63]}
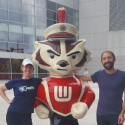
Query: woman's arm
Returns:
{"type": "Point", "coordinates": [3, 88]}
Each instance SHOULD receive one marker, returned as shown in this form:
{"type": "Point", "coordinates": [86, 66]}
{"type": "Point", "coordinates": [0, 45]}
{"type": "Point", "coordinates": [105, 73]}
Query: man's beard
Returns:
{"type": "Point", "coordinates": [109, 67]}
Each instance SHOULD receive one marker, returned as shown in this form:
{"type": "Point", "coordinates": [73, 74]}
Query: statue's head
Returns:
{"type": "Point", "coordinates": [61, 52]}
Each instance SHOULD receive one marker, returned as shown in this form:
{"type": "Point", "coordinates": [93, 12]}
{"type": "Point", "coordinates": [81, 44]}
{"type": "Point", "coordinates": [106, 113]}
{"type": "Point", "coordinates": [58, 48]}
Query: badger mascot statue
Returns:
{"type": "Point", "coordinates": [62, 96]}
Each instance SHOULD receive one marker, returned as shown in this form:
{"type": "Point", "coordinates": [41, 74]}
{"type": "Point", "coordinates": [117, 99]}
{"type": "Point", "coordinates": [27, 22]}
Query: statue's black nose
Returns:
{"type": "Point", "coordinates": [62, 64]}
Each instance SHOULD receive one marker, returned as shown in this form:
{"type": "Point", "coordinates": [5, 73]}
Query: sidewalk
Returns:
{"type": "Point", "coordinates": [89, 119]}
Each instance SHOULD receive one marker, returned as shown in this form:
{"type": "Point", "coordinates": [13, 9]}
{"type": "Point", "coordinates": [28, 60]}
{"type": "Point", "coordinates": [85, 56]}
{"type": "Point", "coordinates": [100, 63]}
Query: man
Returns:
{"type": "Point", "coordinates": [111, 81]}
{"type": "Point", "coordinates": [86, 72]}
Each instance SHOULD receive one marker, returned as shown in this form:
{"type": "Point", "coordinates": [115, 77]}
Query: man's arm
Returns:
{"type": "Point", "coordinates": [121, 116]}
{"type": "Point", "coordinates": [3, 88]}
{"type": "Point", "coordinates": [84, 77]}
{"type": "Point", "coordinates": [44, 79]}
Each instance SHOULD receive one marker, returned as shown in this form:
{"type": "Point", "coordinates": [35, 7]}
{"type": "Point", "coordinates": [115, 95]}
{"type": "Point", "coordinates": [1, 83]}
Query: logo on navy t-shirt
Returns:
{"type": "Point", "coordinates": [25, 88]}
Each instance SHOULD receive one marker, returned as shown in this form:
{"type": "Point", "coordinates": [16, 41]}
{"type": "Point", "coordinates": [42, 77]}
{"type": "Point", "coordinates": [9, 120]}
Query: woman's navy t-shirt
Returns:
{"type": "Point", "coordinates": [111, 87]}
{"type": "Point", "coordinates": [24, 92]}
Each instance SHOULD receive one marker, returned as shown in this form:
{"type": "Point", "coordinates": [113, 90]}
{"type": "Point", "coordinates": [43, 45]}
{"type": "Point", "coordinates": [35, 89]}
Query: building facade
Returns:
{"type": "Point", "coordinates": [102, 24]}
{"type": "Point", "coordinates": [21, 23]}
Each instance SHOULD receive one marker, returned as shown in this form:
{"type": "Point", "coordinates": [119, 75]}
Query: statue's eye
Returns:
{"type": "Point", "coordinates": [51, 56]}
{"type": "Point", "coordinates": [74, 56]}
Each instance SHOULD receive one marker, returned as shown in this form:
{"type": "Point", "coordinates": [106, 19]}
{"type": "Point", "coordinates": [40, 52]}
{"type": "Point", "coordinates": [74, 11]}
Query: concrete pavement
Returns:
{"type": "Point", "coordinates": [89, 119]}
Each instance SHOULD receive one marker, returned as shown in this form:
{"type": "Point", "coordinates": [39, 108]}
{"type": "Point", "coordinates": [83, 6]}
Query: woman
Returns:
{"type": "Point", "coordinates": [21, 107]}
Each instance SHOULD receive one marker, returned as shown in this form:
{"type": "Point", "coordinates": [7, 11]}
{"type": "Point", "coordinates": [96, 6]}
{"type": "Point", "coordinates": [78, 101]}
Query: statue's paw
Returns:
{"type": "Point", "coordinates": [79, 110]}
{"type": "Point", "coordinates": [42, 112]}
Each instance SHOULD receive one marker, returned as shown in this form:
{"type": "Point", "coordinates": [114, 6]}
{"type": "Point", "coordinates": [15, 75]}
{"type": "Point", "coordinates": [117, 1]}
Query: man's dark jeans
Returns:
{"type": "Point", "coordinates": [107, 120]}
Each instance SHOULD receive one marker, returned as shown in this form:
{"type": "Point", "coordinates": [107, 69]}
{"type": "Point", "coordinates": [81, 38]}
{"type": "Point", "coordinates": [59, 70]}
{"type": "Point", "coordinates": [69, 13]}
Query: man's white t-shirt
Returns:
{"type": "Point", "coordinates": [86, 73]}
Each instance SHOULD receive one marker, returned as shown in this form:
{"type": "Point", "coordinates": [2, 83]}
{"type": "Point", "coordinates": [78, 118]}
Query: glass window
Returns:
{"type": "Point", "coordinates": [28, 19]}
{"type": "Point", "coordinates": [35, 69]}
{"type": "Point", "coordinates": [16, 47]}
{"type": "Point", "coordinates": [50, 22]}
{"type": "Point", "coordinates": [3, 4]}
{"type": "Point", "coordinates": [18, 0]}
{"type": "Point", "coordinates": [5, 69]}
{"type": "Point", "coordinates": [34, 75]}
{"type": "Point", "coordinates": [42, 73]}
{"type": "Point", "coordinates": [28, 2]}
{"type": "Point", "coordinates": [28, 39]}
{"type": "Point", "coordinates": [39, 32]}
{"type": "Point", "coordinates": [41, 70]}
{"type": "Point", "coordinates": [69, 11]}
{"type": "Point", "coordinates": [15, 27]}
{"type": "Point", "coordinates": [15, 6]}
{"type": "Point", "coordinates": [16, 37]}
{"type": "Point", "coordinates": [3, 36]}
{"type": "Point", "coordinates": [13, 16]}
{"type": "Point", "coordinates": [120, 14]}
{"type": "Point", "coordinates": [16, 65]}
{"type": "Point", "coordinates": [29, 49]}
{"type": "Point", "coordinates": [4, 76]}
{"type": "Point", "coordinates": [3, 14]}
{"type": "Point", "coordinates": [76, 22]}
{"type": "Point", "coordinates": [28, 29]}
{"type": "Point", "coordinates": [40, 23]}
{"type": "Point", "coordinates": [28, 9]}
{"type": "Point", "coordinates": [41, 3]}
{"type": "Point", "coordinates": [16, 68]}
{"type": "Point", "coordinates": [39, 38]}
{"type": "Point", "coordinates": [4, 26]}
{"type": "Point", "coordinates": [69, 19]}
{"type": "Point", "coordinates": [4, 46]}
{"type": "Point", "coordinates": [57, 18]}
{"type": "Point", "coordinates": [5, 65]}
{"type": "Point", "coordinates": [51, 15]}
{"type": "Point", "coordinates": [15, 23]}
{"type": "Point", "coordinates": [75, 13]}
{"type": "Point", "coordinates": [51, 5]}
{"type": "Point", "coordinates": [16, 75]}
{"type": "Point", "coordinates": [40, 12]}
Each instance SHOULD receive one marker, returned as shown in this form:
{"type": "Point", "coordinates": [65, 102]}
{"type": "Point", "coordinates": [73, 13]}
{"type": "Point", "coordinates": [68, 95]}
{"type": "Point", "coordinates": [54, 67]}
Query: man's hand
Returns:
{"type": "Point", "coordinates": [121, 118]}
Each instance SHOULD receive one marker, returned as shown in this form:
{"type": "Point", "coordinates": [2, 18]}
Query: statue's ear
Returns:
{"type": "Point", "coordinates": [82, 42]}
{"type": "Point", "coordinates": [36, 44]}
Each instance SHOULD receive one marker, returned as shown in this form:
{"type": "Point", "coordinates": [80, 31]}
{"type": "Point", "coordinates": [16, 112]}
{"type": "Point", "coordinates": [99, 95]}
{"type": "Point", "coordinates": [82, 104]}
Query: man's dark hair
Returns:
{"type": "Point", "coordinates": [108, 51]}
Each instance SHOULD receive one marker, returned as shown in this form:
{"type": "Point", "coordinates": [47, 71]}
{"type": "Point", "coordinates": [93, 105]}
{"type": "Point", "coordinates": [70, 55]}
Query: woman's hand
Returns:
{"type": "Point", "coordinates": [10, 101]}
